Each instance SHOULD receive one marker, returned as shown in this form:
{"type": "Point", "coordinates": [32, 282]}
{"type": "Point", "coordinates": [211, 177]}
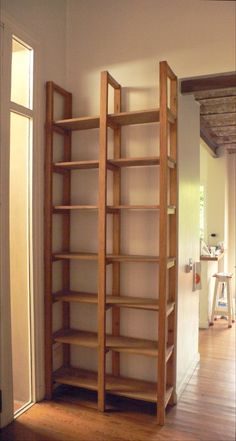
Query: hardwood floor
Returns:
{"type": "Point", "coordinates": [205, 411]}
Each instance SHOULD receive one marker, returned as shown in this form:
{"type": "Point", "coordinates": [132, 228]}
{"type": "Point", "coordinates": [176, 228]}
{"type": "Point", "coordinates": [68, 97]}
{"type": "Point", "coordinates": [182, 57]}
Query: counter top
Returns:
{"type": "Point", "coordinates": [212, 258]}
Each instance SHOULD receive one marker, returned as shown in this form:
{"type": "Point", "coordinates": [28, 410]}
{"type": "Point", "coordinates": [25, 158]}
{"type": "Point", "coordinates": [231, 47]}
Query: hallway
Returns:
{"type": "Point", "coordinates": [205, 411]}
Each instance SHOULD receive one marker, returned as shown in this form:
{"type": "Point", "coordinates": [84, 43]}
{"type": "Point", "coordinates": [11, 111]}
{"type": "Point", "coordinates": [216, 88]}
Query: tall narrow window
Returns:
{"type": "Point", "coordinates": [21, 74]}
{"type": "Point", "coordinates": [21, 126]}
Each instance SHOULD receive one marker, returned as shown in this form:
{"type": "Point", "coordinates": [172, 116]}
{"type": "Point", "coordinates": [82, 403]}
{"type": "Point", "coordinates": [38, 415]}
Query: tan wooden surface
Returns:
{"type": "Point", "coordinates": [204, 412]}
{"type": "Point", "coordinates": [111, 208]}
{"type": "Point", "coordinates": [165, 306]}
{"type": "Point", "coordinates": [118, 162]}
{"type": "Point", "coordinates": [48, 239]}
{"type": "Point", "coordinates": [66, 192]}
{"type": "Point", "coordinates": [76, 165]}
{"type": "Point", "coordinates": [116, 231]}
{"type": "Point", "coordinates": [115, 343]}
{"type": "Point", "coordinates": [76, 256]}
{"type": "Point", "coordinates": [116, 119]}
{"type": "Point", "coordinates": [111, 300]}
{"type": "Point", "coordinates": [173, 240]}
{"type": "Point", "coordinates": [74, 207]}
{"type": "Point", "coordinates": [163, 252]}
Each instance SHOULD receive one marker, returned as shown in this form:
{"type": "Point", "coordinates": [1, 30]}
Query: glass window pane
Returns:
{"type": "Point", "coordinates": [21, 74]}
{"type": "Point", "coordinates": [19, 256]}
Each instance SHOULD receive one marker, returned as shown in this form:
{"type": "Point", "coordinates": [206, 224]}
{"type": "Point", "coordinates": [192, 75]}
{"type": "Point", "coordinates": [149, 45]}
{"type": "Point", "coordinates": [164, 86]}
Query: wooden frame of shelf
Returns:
{"type": "Point", "coordinates": [164, 348]}
{"type": "Point", "coordinates": [51, 90]}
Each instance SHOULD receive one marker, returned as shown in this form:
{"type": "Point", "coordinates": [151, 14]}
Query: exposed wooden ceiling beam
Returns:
{"type": "Point", "coordinates": [208, 83]}
{"type": "Point", "coordinates": [216, 95]}
{"type": "Point", "coordinates": [207, 137]}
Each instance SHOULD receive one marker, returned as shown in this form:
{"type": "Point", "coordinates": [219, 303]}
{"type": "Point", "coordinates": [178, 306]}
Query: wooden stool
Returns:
{"type": "Point", "coordinates": [230, 310]}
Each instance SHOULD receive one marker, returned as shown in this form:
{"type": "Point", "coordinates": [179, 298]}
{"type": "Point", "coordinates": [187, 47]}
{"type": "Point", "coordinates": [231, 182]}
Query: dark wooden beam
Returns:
{"type": "Point", "coordinates": [219, 120]}
{"type": "Point", "coordinates": [208, 83]}
{"type": "Point", "coordinates": [208, 137]}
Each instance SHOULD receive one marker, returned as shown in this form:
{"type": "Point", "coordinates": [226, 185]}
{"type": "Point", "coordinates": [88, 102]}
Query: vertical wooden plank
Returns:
{"type": "Point", "coordinates": [48, 240]}
{"type": "Point", "coordinates": [66, 225]}
{"type": "Point", "coordinates": [162, 321]}
{"type": "Point", "coordinates": [173, 245]}
{"type": "Point", "coordinates": [116, 233]}
{"type": "Point", "coordinates": [102, 241]}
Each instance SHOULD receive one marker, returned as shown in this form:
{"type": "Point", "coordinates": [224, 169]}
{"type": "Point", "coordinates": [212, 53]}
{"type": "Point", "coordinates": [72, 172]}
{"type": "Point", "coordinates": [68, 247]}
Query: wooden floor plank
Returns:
{"type": "Point", "coordinates": [205, 411]}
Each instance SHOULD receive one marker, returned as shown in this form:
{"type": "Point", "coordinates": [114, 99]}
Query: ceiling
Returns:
{"type": "Point", "coordinates": [216, 95]}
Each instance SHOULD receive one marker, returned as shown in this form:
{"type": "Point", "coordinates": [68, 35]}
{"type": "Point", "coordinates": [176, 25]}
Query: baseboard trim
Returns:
{"type": "Point", "coordinates": [186, 378]}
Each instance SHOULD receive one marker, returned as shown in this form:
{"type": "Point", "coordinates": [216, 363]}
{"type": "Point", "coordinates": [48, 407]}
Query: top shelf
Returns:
{"type": "Point", "coordinates": [114, 120]}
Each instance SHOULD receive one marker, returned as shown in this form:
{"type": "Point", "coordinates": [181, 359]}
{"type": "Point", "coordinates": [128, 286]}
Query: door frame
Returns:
{"type": "Point", "coordinates": [8, 29]}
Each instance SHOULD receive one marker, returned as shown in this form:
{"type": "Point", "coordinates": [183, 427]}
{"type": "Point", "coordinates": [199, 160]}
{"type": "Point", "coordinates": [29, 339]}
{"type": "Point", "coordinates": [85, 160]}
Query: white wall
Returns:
{"type": "Point", "coordinates": [129, 39]}
{"type": "Point", "coordinates": [189, 176]}
{"type": "Point", "coordinates": [218, 178]}
{"type": "Point", "coordinates": [38, 24]}
{"type": "Point", "coordinates": [196, 37]}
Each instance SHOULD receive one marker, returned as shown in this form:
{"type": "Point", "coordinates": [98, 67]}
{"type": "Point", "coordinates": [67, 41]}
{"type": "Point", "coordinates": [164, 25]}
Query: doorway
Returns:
{"type": "Point", "coordinates": [20, 183]}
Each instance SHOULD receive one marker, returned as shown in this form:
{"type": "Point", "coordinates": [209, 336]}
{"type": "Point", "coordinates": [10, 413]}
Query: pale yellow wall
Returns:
{"type": "Point", "coordinates": [213, 177]}
{"type": "Point", "coordinates": [218, 178]}
{"type": "Point", "coordinates": [231, 191]}
{"type": "Point", "coordinates": [19, 257]}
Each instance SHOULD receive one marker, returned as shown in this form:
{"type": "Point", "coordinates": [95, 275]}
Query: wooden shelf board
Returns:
{"type": "Point", "coordinates": [114, 119]}
{"type": "Point", "coordinates": [122, 162]}
{"type": "Point", "coordinates": [76, 165]}
{"type": "Point", "coordinates": [75, 256]}
{"type": "Point", "coordinates": [131, 258]}
{"type": "Point", "coordinates": [138, 117]}
{"type": "Point", "coordinates": [138, 258]}
{"type": "Point", "coordinates": [115, 208]}
{"type": "Point", "coordinates": [135, 162]}
{"type": "Point", "coordinates": [120, 301]}
{"type": "Point", "coordinates": [132, 345]}
{"type": "Point", "coordinates": [134, 117]}
{"type": "Point", "coordinates": [110, 208]}
{"type": "Point", "coordinates": [168, 394]}
{"type": "Point", "coordinates": [112, 257]}
{"type": "Point", "coordinates": [75, 337]}
{"type": "Point", "coordinates": [122, 344]}
{"type": "Point", "coordinates": [79, 123]}
{"type": "Point", "coordinates": [76, 377]}
{"type": "Point", "coordinates": [132, 302]}
{"type": "Point", "coordinates": [59, 208]}
{"type": "Point", "coordinates": [119, 386]}
{"type": "Point", "coordinates": [139, 162]}
{"type": "Point", "coordinates": [75, 296]}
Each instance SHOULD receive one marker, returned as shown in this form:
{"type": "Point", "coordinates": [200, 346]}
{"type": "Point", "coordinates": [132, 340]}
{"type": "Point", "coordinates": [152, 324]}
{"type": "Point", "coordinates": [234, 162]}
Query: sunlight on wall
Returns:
{"type": "Point", "coordinates": [20, 126]}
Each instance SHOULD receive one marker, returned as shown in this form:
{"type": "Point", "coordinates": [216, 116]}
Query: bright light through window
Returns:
{"type": "Point", "coordinates": [21, 74]}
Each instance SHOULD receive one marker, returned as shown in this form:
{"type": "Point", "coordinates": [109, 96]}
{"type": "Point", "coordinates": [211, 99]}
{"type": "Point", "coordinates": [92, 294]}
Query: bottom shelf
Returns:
{"type": "Point", "coordinates": [120, 386]}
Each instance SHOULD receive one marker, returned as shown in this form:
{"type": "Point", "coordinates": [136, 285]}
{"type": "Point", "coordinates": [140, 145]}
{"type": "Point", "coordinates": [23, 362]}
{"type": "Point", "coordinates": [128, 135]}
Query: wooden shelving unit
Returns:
{"type": "Point", "coordinates": [163, 348]}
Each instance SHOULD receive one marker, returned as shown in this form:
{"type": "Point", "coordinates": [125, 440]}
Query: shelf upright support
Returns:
{"type": "Point", "coordinates": [48, 240]}
{"type": "Point", "coordinates": [163, 232]}
{"type": "Point", "coordinates": [51, 90]}
{"type": "Point", "coordinates": [116, 232]}
{"type": "Point", "coordinates": [67, 111]}
{"type": "Point", "coordinates": [102, 241]}
{"type": "Point", "coordinates": [173, 239]}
